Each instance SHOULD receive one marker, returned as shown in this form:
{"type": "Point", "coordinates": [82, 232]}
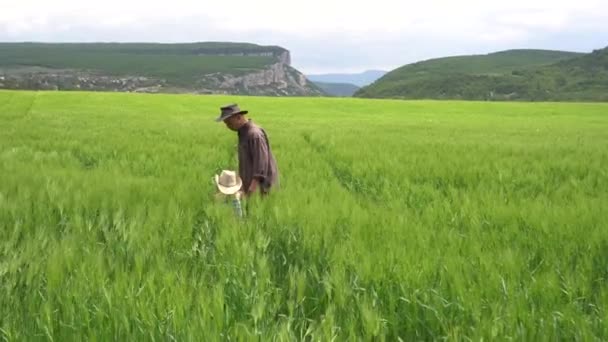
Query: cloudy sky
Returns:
{"type": "Point", "coordinates": [322, 35]}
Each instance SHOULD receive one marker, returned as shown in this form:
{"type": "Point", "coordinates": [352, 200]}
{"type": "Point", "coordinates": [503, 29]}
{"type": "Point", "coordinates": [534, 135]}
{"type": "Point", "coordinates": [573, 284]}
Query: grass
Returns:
{"type": "Point", "coordinates": [416, 220]}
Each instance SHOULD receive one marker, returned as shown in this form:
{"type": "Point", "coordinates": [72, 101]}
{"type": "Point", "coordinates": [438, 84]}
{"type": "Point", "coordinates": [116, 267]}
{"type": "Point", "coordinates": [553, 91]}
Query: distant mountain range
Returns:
{"type": "Point", "coordinates": [337, 89]}
{"type": "Point", "coordinates": [359, 79]}
{"type": "Point", "coordinates": [534, 75]}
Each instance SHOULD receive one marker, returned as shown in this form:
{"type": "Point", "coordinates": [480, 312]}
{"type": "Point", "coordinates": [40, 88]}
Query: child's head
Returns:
{"type": "Point", "coordinates": [228, 183]}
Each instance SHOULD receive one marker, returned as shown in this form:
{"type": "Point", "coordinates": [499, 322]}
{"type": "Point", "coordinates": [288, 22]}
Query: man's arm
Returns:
{"type": "Point", "coordinates": [260, 157]}
{"type": "Point", "coordinates": [255, 182]}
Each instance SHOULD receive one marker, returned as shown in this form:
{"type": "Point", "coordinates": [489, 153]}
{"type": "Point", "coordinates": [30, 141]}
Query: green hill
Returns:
{"type": "Point", "coordinates": [178, 63]}
{"type": "Point", "coordinates": [212, 66]}
{"type": "Point", "coordinates": [337, 89]}
{"type": "Point", "coordinates": [514, 74]}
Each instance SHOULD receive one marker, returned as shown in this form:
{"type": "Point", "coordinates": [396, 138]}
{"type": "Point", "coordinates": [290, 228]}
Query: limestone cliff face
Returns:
{"type": "Point", "coordinates": [277, 79]}
{"type": "Point", "coordinates": [285, 58]}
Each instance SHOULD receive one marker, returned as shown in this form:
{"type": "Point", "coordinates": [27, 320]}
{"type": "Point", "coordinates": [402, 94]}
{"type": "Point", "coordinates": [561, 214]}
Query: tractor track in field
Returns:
{"type": "Point", "coordinates": [350, 182]}
{"type": "Point", "coordinates": [28, 111]}
{"type": "Point", "coordinates": [27, 108]}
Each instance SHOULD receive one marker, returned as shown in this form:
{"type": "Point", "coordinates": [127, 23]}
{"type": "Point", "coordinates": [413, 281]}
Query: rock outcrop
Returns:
{"type": "Point", "coordinates": [276, 80]}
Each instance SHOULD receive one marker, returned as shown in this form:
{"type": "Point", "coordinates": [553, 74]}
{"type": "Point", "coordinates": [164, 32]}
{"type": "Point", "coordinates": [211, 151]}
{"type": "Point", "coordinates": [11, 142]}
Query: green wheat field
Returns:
{"type": "Point", "coordinates": [395, 220]}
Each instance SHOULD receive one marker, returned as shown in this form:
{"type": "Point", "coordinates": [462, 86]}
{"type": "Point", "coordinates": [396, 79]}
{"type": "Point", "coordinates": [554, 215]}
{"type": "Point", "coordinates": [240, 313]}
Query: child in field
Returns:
{"type": "Point", "coordinates": [229, 186]}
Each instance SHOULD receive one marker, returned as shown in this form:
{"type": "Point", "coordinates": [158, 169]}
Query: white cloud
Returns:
{"type": "Point", "coordinates": [311, 16]}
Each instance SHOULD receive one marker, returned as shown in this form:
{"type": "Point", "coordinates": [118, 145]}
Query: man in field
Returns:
{"type": "Point", "coordinates": [257, 166]}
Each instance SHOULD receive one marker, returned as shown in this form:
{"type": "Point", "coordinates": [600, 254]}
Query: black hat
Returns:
{"type": "Point", "coordinates": [229, 111]}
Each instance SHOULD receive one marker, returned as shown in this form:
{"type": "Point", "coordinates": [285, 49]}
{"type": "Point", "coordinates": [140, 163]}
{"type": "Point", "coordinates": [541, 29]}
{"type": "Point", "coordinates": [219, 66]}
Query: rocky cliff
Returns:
{"type": "Point", "coordinates": [276, 80]}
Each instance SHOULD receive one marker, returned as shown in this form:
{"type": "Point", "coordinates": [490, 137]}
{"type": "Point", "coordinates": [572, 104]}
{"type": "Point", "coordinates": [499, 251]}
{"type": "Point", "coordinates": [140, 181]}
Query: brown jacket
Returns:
{"type": "Point", "coordinates": [255, 158]}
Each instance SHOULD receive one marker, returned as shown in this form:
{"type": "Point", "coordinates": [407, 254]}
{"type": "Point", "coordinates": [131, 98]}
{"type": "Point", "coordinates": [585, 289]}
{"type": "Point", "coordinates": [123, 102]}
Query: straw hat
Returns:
{"type": "Point", "coordinates": [230, 110]}
{"type": "Point", "coordinates": [228, 182]}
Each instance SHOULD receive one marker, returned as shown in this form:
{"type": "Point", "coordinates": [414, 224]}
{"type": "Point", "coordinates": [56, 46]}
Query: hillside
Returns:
{"type": "Point", "coordinates": [359, 79]}
{"type": "Point", "coordinates": [584, 78]}
{"type": "Point", "coordinates": [337, 89]}
{"type": "Point", "coordinates": [507, 75]}
{"type": "Point", "coordinates": [236, 68]}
